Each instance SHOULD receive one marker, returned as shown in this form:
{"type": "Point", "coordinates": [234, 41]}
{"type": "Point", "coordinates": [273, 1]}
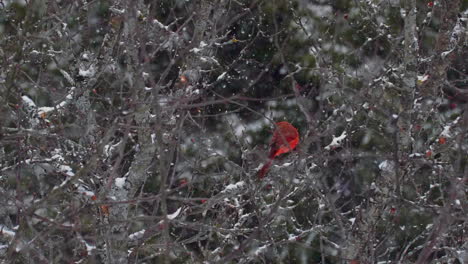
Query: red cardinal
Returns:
{"type": "Point", "coordinates": [285, 138]}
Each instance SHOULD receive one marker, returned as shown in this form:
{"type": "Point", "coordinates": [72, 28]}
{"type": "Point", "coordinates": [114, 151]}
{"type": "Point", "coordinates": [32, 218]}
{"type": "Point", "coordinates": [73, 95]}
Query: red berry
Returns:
{"type": "Point", "coordinates": [183, 79]}
{"type": "Point", "coordinates": [105, 209]}
{"type": "Point", "coordinates": [430, 4]}
{"type": "Point", "coordinates": [442, 140]}
{"type": "Point", "coordinates": [428, 154]}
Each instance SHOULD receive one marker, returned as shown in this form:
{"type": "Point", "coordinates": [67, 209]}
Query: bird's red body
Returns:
{"type": "Point", "coordinates": [285, 138]}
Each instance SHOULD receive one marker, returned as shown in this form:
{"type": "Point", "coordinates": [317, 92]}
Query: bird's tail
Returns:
{"type": "Point", "coordinates": [263, 171]}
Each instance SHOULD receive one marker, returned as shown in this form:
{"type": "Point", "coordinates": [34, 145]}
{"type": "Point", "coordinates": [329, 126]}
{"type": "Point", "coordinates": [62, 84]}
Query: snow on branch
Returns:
{"type": "Point", "coordinates": [336, 141]}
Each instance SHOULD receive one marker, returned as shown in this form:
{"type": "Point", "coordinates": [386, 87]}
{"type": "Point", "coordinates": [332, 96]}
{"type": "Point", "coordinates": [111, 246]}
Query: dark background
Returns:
{"type": "Point", "coordinates": [132, 131]}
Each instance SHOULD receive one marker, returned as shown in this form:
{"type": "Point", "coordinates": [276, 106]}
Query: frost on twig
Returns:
{"type": "Point", "coordinates": [45, 110]}
{"type": "Point", "coordinates": [336, 141]}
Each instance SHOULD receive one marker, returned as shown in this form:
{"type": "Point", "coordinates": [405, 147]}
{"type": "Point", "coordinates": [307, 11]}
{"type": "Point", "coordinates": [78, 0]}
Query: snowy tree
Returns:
{"type": "Point", "coordinates": [134, 131]}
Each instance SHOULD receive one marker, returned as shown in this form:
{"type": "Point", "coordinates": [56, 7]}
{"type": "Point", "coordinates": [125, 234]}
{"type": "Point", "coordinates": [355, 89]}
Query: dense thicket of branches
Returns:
{"type": "Point", "coordinates": [131, 131]}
